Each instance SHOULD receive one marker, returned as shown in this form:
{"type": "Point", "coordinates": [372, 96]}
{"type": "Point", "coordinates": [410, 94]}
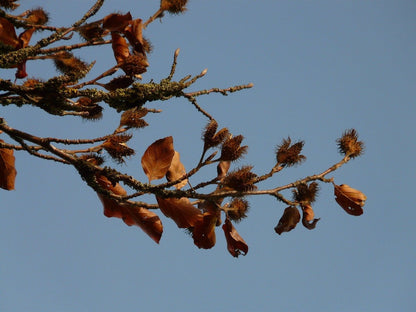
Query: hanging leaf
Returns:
{"type": "Point", "coordinates": [157, 158]}
{"type": "Point", "coordinates": [288, 221]}
{"type": "Point", "coordinates": [120, 47]}
{"type": "Point", "coordinates": [134, 35]}
{"type": "Point", "coordinates": [235, 243]}
{"type": "Point", "coordinates": [203, 232]}
{"type": "Point", "coordinates": [308, 215]}
{"type": "Point", "coordinates": [180, 210]}
{"type": "Point", "coordinates": [7, 168]}
{"type": "Point", "coordinates": [148, 221]}
{"type": "Point", "coordinates": [351, 200]}
{"type": "Point", "coordinates": [176, 171]}
{"type": "Point", "coordinates": [8, 34]}
{"type": "Point", "coordinates": [24, 39]}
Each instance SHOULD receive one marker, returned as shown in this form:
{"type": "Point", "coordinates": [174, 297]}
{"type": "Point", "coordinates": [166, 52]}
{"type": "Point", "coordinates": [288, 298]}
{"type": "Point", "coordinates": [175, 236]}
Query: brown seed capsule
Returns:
{"type": "Point", "coordinates": [231, 149]}
{"type": "Point", "coordinates": [289, 155]}
{"type": "Point", "coordinates": [240, 180]}
{"type": "Point", "coordinates": [349, 145]}
{"type": "Point", "coordinates": [173, 6]}
{"type": "Point", "coordinates": [237, 209]}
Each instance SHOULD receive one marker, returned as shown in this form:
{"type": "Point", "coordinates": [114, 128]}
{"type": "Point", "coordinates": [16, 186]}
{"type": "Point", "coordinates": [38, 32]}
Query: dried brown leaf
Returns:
{"type": "Point", "coordinates": [7, 168]}
{"type": "Point", "coordinates": [148, 221]}
{"type": "Point", "coordinates": [180, 210]}
{"type": "Point", "coordinates": [134, 35]}
{"type": "Point", "coordinates": [204, 230]}
{"type": "Point", "coordinates": [235, 243]}
{"type": "Point", "coordinates": [288, 221]}
{"type": "Point", "coordinates": [176, 171]}
{"type": "Point", "coordinates": [351, 200]}
{"type": "Point", "coordinates": [157, 158]}
{"type": "Point", "coordinates": [8, 34]}
{"type": "Point", "coordinates": [222, 169]}
{"type": "Point", "coordinates": [120, 47]}
{"type": "Point", "coordinates": [308, 217]}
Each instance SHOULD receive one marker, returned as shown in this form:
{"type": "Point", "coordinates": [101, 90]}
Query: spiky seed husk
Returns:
{"type": "Point", "coordinates": [349, 145]}
{"type": "Point", "coordinates": [237, 209]}
{"type": "Point", "coordinates": [95, 159]}
{"type": "Point", "coordinates": [91, 32]}
{"type": "Point", "coordinates": [37, 16]}
{"type": "Point", "coordinates": [213, 138]}
{"type": "Point", "coordinates": [306, 193]}
{"type": "Point", "coordinates": [289, 155]}
{"type": "Point", "coordinates": [93, 112]}
{"type": "Point", "coordinates": [173, 6]}
{"type": "Point", "coordinates": [9, 4]}
{"type": "Point", "coordinates": [116, 147]}
{"type": "Point", "coordinates": [132, 118]}
{"type": "Point", "coordinates": [241, 180]}
{"type": "Point", "coordinates": [120, 82]}
{"type": "Point", "coordinates": [32, 83]}
{"type": "Point", "coordinates": [68, 64]}
{"type": "Point", "coordinates": [231, 149]}
{"type": "Point", "coordinates": [135, 65]}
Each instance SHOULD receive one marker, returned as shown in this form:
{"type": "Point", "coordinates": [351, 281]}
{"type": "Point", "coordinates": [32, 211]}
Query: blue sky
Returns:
{"type": "Point", "coordinates": [318, 68]}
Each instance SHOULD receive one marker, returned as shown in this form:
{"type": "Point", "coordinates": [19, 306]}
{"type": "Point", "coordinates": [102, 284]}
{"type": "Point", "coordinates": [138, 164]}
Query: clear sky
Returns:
{"type": "Point", "coordinates": [318, 68]}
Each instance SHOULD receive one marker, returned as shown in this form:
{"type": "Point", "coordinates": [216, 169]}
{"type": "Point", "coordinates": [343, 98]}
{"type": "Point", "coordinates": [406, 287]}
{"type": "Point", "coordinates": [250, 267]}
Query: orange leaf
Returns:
{"type": "Point", "coordinates": [116, 22]}
{"type": "Point", "coordinates": [120, 47]}
{"type": "Point", "coordinates": [7, 169]}
{"type": "Point", "coordinates": [235, 243]}
{"type": "Point", "coordinates": [176, 171]}
{"type": "Point", "coordinates": [204, 230]}
{"type": "Point", "coordinates": [288, 221]}
{"type": "Point", "coordinates": [180, 210]}
{"type": "Point", "coordinates": [351, 200]}
{"type": "Point", "coordinates": [8, 33]}
{"type": "Point", "coordinates": [157, 158]}
{"type": "Point", "coordinates": [148, 221]}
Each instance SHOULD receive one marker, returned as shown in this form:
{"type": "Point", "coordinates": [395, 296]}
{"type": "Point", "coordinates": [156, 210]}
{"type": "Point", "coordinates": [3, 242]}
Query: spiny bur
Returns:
{"type": "Point", "coordinates": [349, 145]}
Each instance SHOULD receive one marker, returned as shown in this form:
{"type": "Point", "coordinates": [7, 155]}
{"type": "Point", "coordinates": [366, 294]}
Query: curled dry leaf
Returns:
{"type": "Point", "coordinates": [288, 221]}
{"type": "Point", "coordinates": [204, 230]}
{"type": "Point", "coordinates": [8, 34]}
{"type": "Point", "coordinates": [180, 210]}
{"type": "Point", "coordinates": [351, 200]}
{"type": "Point", "coordinates": [7, 169]}
{"type": "Point", "coordinates": [308, 215]}
{"type": "Point", "coordinates": [235, 243]}
{"type": "Point", "coordinates": [157, 158]}
{"type": "Point", "coordinates": [134, 35]}
{"type": "Point", "coordinates": [222, 169]}
{"type": "Point", "coordinates": [176, 171]}
{"type": "Point", "coordinates": [148, 221]}
{"type": "Point", "coordinates": [120, 47]}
